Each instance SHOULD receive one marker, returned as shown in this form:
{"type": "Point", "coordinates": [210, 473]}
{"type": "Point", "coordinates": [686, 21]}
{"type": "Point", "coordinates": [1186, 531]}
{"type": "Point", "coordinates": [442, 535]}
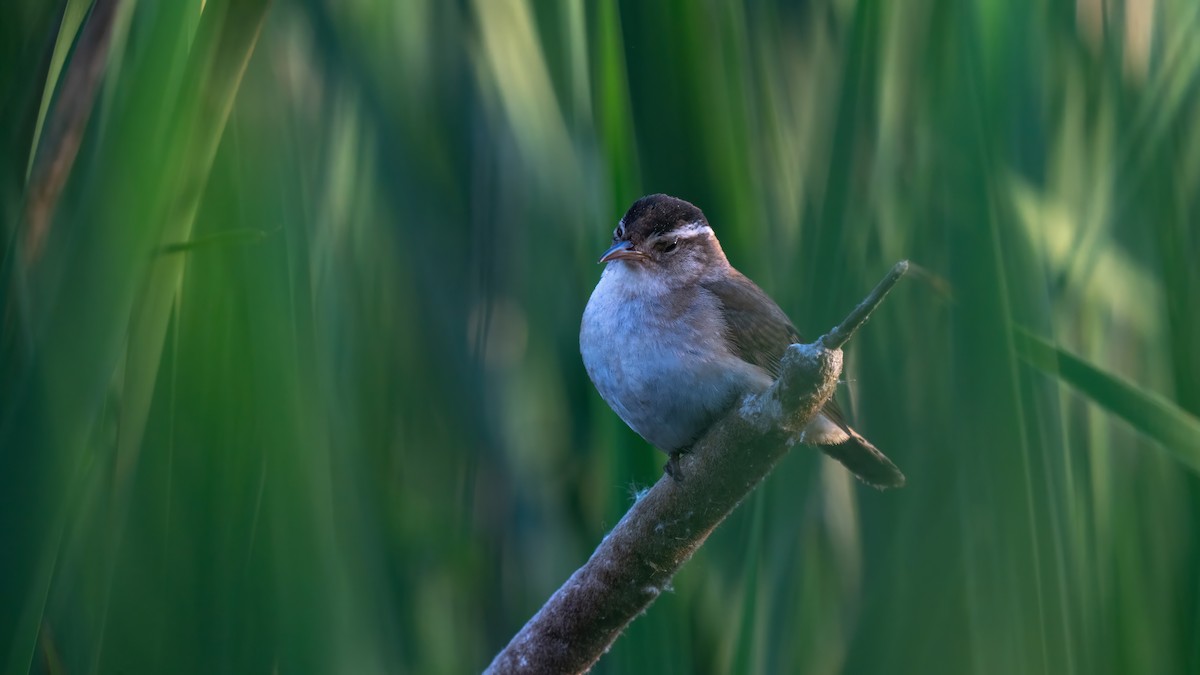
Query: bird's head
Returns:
{"type": "Point", "coordinates": [665, 237]}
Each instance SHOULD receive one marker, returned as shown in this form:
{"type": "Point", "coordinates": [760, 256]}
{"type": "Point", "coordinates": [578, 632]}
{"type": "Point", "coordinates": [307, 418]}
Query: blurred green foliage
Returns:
{"type": "Point", "coordinates": [294, 386]}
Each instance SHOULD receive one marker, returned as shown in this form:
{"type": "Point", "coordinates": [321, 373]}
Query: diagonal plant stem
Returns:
{"type": "Point", "coordinates": [1150, 413]}
{"type": "Point", "coordinates": [112, 263]}
{"type": "Point", "coordinates": [842, 333]}
{"type": "Point", "coordinates": [225, 41]}
{"type": "Point", "coordinates": [66, 126]}
{"type": "Point", "coordinates": [661, 531]}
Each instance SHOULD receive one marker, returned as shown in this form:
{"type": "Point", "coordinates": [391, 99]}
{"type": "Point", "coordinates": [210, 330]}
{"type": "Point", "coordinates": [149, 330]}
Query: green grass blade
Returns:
{"type": "Point", "coordinates": [1148, 412]}
{"type": "Point", "coordinates": [218, 62]}
{"type": "Point", "coordinates": [234, 237]}
{"type": "Point", "coordinates": [69, 27]}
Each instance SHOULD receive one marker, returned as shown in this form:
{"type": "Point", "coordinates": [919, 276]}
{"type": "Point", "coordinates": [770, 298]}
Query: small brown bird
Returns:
{"type": "Point", "coordinates": [673, 336]}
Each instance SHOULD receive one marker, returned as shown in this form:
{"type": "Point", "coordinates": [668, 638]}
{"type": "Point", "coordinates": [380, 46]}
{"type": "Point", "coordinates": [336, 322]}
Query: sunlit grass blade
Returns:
{"type": "Point", "coordinates": [219, 59]}
{"type": "Point", "coordinates": [67, 30]}
{"type": "Point", "coordinates": [1148, 412]}
{"type": "Point", "coordinates": [52, 163]}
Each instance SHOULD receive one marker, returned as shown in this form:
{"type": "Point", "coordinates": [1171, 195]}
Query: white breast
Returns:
{"type": "Point", "coordinates": [658, 357]}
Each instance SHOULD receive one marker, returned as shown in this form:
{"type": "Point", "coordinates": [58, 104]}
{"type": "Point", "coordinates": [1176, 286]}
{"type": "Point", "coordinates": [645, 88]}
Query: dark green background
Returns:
{"type": "Point", "coordinates": [335, 420]}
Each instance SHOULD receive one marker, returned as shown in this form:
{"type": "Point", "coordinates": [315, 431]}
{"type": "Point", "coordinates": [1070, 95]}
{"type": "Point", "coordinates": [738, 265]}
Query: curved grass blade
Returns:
{"type": "Point", "coordinates": [1148, 412]}
{"type": "Point", "coordinates": [53, 155]}
{"type": "Point", "coordinates": [233, 237]}
{"type": "Point", "coordinates": [72, 18]}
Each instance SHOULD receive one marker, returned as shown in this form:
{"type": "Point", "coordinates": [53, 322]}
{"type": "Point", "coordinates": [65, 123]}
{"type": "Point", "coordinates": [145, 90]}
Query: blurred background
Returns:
{"type": "Point", "coordinates": [289, 371]}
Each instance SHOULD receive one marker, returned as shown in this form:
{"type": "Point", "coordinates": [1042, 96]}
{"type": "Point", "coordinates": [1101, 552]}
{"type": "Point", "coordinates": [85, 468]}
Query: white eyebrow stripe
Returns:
{"type": "Point", "coordinates": [688, 231]}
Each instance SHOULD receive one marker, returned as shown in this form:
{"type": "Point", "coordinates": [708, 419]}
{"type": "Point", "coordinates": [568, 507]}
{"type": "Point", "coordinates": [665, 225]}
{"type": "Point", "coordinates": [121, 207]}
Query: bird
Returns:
{"type": "Point", "coordinates": [673, 335]}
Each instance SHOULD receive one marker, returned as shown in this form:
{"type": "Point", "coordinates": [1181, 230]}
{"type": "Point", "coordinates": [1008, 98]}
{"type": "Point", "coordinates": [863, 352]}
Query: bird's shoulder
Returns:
{"type": "Point", "coordinates": [758, 331]}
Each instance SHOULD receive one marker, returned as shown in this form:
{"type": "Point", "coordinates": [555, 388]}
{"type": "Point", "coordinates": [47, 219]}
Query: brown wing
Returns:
{"type": "Point", "coordinates": [758, 329]}
{"type": "Point", "coordinates": [759, 333]}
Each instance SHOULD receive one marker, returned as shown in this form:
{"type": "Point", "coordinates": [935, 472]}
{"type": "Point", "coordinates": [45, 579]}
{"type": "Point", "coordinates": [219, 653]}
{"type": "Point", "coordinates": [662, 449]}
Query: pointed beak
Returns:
{"type": "Point", "coordinates": [622, 250]}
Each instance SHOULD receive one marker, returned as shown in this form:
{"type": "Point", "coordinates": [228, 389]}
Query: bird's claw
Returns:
{"type": "Point", "coordinates": [672, 467]}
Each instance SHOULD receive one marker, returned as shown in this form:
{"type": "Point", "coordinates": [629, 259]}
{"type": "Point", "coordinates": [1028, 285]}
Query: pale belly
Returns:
{"type": "Point", "coordinates": [665, 371]}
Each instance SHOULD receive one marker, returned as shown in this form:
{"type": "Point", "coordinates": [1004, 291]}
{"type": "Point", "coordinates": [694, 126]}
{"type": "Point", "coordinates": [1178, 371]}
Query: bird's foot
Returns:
{"type": "Point", "coordinates": [672, 467]}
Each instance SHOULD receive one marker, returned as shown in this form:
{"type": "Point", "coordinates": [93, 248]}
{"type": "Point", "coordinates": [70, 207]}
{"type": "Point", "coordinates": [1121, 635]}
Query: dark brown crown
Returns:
{"type": "Point", "coordinates": [653, 215]}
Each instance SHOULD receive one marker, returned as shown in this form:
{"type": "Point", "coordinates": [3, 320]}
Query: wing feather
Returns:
{"type": "Point", "coordinates": [759, 333]}
{"type": "Point", "coordinates": [756, 327]}
{"type": "Point", "coordinates": [758, 330]}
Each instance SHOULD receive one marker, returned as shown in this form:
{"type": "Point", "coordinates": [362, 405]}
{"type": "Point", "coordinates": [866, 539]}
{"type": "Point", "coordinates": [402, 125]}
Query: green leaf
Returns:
{"type": "Point", "coordinates": [236, 236]}
{"type": "Point", "coordinates": [1148, 412]}
{"type": "Point", "coordinates": [71, 20]}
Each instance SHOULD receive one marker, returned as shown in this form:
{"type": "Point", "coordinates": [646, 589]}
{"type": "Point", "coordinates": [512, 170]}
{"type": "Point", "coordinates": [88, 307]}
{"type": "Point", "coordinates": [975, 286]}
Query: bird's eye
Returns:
{"type": "Point", "coordinates": [618, 233]}
{"type": "Point", "coordinates": [671, 246]}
